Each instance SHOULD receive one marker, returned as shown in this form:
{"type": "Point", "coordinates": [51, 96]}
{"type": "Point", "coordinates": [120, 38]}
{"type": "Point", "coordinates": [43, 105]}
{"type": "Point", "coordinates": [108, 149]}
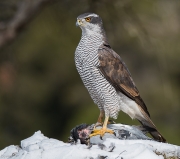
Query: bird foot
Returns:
{"type": "Point", "coordinates": [101, 132]}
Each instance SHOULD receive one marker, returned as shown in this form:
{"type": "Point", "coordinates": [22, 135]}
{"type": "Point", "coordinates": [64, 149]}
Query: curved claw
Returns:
{"type": "Point", "coordinates": [101, 132]}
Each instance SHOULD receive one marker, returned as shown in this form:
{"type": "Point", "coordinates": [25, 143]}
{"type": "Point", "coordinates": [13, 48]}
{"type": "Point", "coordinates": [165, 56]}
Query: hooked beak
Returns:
{"type": "Point", "coordinates": [79, 22]}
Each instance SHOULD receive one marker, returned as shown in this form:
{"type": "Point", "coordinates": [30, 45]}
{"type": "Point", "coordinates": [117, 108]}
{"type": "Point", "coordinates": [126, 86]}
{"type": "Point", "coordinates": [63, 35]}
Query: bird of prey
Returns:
{"type": "Point", "coordinates": [107, 78]}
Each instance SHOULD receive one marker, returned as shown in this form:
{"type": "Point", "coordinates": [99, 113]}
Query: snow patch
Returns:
{"type": "Point", "coordinates": [40, 147]}
{"type": "Point", "coordinates": [35, 139]}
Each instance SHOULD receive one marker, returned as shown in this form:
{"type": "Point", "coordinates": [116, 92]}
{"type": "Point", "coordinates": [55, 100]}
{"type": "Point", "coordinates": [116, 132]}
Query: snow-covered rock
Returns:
{"type": "Point", "coordinates": [40, 147]}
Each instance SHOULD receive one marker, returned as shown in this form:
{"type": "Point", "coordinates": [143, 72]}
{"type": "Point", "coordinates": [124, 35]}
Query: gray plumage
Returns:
{"type": "Point", "coordinates": [121, 131]}
{"type": "Point", "coordinates": [87, 63]}
{"type": "Point", "coordinates": [106, 76]}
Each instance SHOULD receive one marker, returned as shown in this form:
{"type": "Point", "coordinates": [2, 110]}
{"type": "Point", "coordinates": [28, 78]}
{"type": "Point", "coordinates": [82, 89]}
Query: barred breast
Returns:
{"type": "Point", "coordinates": [100, 90]}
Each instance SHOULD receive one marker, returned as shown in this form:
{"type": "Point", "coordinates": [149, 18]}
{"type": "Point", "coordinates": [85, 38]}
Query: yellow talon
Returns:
{"type": "Point", "coordinates": [103, 130]}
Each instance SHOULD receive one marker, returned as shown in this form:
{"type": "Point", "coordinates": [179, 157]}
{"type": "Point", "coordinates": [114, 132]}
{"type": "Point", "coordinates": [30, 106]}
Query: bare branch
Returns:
{"type": "Point", "coordinates": [25, 12]}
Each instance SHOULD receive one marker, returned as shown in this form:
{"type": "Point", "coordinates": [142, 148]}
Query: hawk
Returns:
{"type": "Point", "coordinates": [107, 78]}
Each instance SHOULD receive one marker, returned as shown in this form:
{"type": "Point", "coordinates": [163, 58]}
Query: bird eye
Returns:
{"type": "Point", "coordinates": [88, 19]}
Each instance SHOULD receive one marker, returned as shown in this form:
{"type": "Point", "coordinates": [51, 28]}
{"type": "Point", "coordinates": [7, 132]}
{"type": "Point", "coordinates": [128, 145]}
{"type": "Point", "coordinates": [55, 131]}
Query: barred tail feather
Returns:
{"type": "Point", "coordinates": [150, 127]}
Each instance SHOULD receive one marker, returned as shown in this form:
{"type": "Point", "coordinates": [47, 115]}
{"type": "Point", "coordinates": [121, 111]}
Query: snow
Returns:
{"type": "Point", "coordinates": [40, 147]}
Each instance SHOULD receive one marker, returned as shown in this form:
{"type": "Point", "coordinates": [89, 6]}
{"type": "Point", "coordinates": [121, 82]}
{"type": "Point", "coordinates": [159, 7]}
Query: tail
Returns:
{"type": "Point", "coordinates": [151, 128]}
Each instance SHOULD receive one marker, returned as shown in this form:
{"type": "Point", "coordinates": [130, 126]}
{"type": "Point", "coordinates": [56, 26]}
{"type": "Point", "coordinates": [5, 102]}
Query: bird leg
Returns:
{"type": "Point", "coordinates": [101, 115]}
{"type": "Point", "coordinates": [100, 119]}
{"type": "Point", "coordinates": [103, 130]}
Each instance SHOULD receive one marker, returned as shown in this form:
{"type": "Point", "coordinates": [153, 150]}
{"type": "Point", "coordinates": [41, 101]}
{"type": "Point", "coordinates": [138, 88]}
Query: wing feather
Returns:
{"type": "Point", "coordinates": [115, 71]}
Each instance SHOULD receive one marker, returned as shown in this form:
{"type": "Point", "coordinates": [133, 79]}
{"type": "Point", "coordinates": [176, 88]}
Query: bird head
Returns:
{"type": "Point", "coordinates": [90, 23]}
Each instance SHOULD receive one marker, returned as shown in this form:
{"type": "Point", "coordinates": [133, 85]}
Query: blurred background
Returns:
{"type": "Point", "coordinates": [40, 88]}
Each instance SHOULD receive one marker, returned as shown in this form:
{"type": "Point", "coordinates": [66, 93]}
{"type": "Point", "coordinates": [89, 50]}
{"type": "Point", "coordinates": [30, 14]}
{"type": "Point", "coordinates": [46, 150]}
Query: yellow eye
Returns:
{"type": "Point", "coordinates": [88, 19]}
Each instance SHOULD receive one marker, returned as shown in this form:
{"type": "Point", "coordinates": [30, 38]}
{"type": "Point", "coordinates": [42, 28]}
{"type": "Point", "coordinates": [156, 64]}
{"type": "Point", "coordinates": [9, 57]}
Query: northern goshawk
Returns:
{"type": "Point", "coordinates": [107, 78]}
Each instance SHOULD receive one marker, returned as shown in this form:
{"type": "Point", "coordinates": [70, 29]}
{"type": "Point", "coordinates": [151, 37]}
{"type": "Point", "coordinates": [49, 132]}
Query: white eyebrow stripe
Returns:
{"type": "Point", "coordinates": [94, 15]}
